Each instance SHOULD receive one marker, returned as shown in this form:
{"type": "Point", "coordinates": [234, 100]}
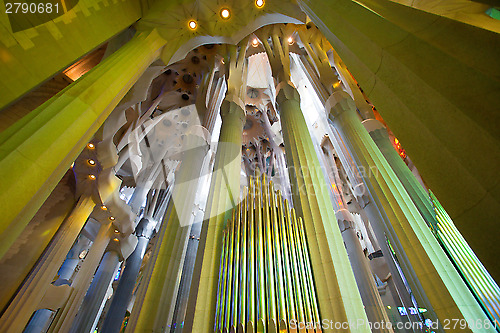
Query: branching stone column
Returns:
{"type": "Point", "coordinates": [333, 275]}
{"type": "Point", "coordinates": [446, 291]}
{"type": "Point", "coordinates": [123, 293]}
{"type": "Point", "coordinates": [87, 315]}
{"type": "Point", "coordinates": [223, 197]}
{"type": "Point", "coordinates": [66, 315]}
{"type": "Point", "coordinates": [36, 151]}
{"type": "Point", "coordinates": [372, 302]}
{"type": "Point", "coordinates": [39, 280]}
{"type": "Point", "coordinates": [167, 257]}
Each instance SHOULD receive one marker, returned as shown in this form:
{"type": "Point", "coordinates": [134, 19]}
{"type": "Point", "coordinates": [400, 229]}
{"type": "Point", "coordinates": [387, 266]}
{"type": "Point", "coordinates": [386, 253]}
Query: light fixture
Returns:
{"type": "Point", "coordinates": [72, 165]}
{"type": "Point", "coordinates": [90, 145]}
{"type": "Point", "coordinates": [116, 239]}
{"type": "Point", "coordinates": [103, 207]}
{"type": "Point", "coordinates": [111, 218]}
{"type": "Point", "coordinates": [91, 162]}
{"type": "Point", "coordinates": [225, 13]}
{"type": "Point", "coordinates": [92, 177]}
{"type": "Point", "coordinates": [192, 24]}
{"type": "Point", "coordinates": [255, 42]}
{"type": "Point", "coordinates": [116, 231]}
{"type": "Point", "coordinates": [290, 40]}
{"type": "Point", "coordinates": [83, 254]}
{"type": "Point", "coordinates": [259, 3]}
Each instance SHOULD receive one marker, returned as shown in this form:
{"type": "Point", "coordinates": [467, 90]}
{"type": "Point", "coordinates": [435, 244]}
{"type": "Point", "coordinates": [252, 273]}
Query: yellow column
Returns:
{"type": "Point", "coordinates": [167, 256]}
{"type": "Point", "coordinates": [223, 197]}
{"type": "Point", "coordinates": [37, 150]}
{"type": "Point", "coordinates": [338, 297]}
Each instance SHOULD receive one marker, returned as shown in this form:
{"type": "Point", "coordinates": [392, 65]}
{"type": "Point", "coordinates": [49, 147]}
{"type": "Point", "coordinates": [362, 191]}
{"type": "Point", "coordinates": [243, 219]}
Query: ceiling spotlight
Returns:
{"type": "Point", "coordinates": [259, 3]}
{"type": "Point", "coordinates": [116, 231]}
{"type": "Point", "coordinates": [91, 162]}
{"type": "Point", "coordinates": [290, 40]}
{"type": "Point", "coordinates": [116, 239]}
{"type": "Point", "coordinates": [92, 177]}
{"type": "Point", "coordinates": [103, 207]}
{"type": "Point", "coordinates": [225, 13]}
{"type": "Point", "coordinates": [90, 145]}
{"type": "Point", "coordinates": [192, 24]}
{"type": "Point", "coordinates": [255, 42]}
{"type": "Point", "coordinates": [111, 218]}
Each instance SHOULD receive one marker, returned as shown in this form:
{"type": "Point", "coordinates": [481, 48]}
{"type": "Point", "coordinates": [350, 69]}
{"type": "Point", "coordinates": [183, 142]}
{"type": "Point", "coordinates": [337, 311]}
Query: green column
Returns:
{"type": "Point", "coordinates": [167, 256]}
{"type": "Point", "coordinates": [334, 278]}
{"type": "Point", "coordinates": [417, 193]}
{"type": "Point", "coordinates": [36, 151]}
{"type": "Point", "coordinates": [223, 197]}
{"type": "Point", "coordinates": [446, 291]}
{"type": "Point", "coordinates": [435, 82]}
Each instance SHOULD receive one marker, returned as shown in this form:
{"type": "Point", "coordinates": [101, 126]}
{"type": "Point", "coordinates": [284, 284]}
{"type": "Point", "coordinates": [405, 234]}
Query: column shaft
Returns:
{"type": "Point", "coordinates": [37, 150]}
{"type": "Point", "coordinates": [223, 196]}
{"type": "Point", "coordinates": [332, 271]}
{"type": "Point", "coordinates": [33, 289]}
{"type": "Point", "coordinates": [158, 305]}
{"type": "Point", "coordinates": [447, 293]}
{"type": "Point", "coordinates": [86, 319]}
{"type": "Point", "coordinates": [123, 294]}
{"type": "Point", "coordinates": [66, 315]}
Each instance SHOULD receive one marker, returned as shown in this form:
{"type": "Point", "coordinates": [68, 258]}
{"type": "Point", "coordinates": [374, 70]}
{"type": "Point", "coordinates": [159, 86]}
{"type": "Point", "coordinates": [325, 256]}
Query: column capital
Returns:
{"type": "Point", "coordinates": [232, 106]}
{"type": "Point", "coordinates": [338, 103]}
{"type": "Point", "coordinates": [344, 219]}
{"type": "Point", "coordinates": [376, 129]}
{"type": "Point", "coordinates": [285, 91]}
{"type": "Point", "coordinates": [145, 228]}
{"type": "Point", "coordinates": [361, 194]}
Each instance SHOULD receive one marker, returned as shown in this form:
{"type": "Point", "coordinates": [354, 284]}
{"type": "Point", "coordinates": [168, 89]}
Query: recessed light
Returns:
{"type": "Point", "coordinates": [290, 40]}
{"type": "Point", "coordinates": [111, 218]}
{"type": "Point", "coordinates": [90, 145]}
{"type": "Point", "coordinates": [192, 24]}
{"type": "Point", "coordinates": [225, 13]}
{"type": "Point", "coordinates": [255, 42]}
{"type": "Point", "coordinates": [259, 3]}
{"type": "Point", "coordinates": [92, 177]}
{"type": "Point", "coordinates": [103, 207]}
{"type": "Point", "coordinates": [91, 162]}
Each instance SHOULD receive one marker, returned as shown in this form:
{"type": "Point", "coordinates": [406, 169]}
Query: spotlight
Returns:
{"type": "Point", "coordinates": [225, 13]}
{"type": "Point", "coordinates": [255, 42]}
{"type": "Point", "coordinates": [91, 162]}
{"type": "Point", "coordinates": [117, 232]}
{"type": "Point", "coordinates": [290, 40]}
{"type": "Point", "coordinates": [259, 3]}
{"type": "Point", "coordinates": [111, 218]}
{"type": "Point", "coordinates": [103, 207]}
{"type": "Point", "coordinates": [90, 146]}
{"type": "Point", "coordinates": [192, 24]}
{"type": "Point", "coordinates": [92, 177]}
{"type": "Point", "coordinates": [116, 239]}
